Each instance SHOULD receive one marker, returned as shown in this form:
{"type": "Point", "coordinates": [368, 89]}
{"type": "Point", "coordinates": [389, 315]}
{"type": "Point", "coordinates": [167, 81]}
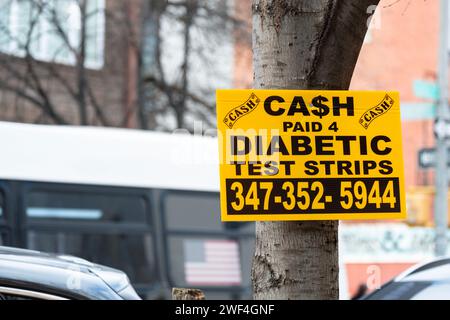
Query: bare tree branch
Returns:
{"type": "Point", "coordinates": [47, 104]}
{"type": "Point", "coordinates": [206, 18]}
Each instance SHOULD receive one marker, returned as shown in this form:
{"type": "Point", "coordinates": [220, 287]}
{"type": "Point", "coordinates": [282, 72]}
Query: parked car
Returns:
{"type": "Point", "coordinates": [34, 275]}
{"type": "Point", "coordinates": [426, 281]}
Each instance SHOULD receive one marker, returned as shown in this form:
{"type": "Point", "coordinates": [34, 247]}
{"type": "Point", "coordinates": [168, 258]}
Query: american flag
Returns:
{"type": "Point", "coordinates": [212, 262]}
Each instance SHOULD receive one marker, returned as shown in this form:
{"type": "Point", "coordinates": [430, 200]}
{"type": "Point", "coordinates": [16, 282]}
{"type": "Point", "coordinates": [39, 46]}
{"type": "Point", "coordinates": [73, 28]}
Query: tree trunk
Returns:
{"type": "Point", "coordinates": [81, 68]}
{"type": "Point", "coordinates": [303, 44]}
{"type": "Point", "coordinates": [187, 294]}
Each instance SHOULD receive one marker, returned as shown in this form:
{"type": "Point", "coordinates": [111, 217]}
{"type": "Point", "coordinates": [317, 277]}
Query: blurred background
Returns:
{"type": "Point", "coordinates": [90, 93]}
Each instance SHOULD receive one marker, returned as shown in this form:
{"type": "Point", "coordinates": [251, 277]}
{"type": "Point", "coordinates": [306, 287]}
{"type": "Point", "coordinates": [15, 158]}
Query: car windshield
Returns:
{"type": "Point", "coordinates": [412, 290]}
{"type": "Point", "coordinates": [435, 291]}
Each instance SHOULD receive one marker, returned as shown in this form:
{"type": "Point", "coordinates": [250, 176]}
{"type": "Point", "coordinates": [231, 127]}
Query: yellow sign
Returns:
{"type": "Point", "coordinates": [310, 155]}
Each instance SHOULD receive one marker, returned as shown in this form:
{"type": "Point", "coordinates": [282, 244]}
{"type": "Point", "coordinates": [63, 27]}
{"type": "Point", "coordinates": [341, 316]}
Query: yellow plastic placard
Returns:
{"type": "Point", "coordinates": [310, 155]}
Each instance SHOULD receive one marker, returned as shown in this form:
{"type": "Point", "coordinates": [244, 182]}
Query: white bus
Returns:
{"type": "Point", "coordinates": [144, 202]}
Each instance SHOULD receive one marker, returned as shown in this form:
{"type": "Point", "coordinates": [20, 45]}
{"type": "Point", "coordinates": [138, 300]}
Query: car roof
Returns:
{"type": "Point", "coordinates": [433, 270]}
{"type": "Point", "coordinates": [62, 275]}
{"type": "Point", "coordinates": [421, 281]}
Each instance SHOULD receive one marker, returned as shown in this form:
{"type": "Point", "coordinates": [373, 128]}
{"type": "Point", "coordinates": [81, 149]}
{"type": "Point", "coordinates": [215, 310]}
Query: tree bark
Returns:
{"type": "Point", "coordinates": [303, 44]}
{"type": "Point", "coordinates": [187, 294]}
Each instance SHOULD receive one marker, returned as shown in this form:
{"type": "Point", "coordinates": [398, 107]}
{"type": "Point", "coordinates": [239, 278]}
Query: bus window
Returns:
{"type": "Point", "coordinates": [115, 208]}
{"type": "Point", "coordinates": [197, 211]}
{"type": "Point", "coordinates": [132, 254]}
{"type": "Point", "coordinates": [4, 238]}
{"type": "Point", "coordinates": [103, 226]}
{"type": "Point", "coordinates": [192, 211]}
{"type": "Point", "coordinates": [210, 262]}
{"type": "Point", "coordinates": [2, 205]}
{"type": "Point", "coordinates": [205, 252]}
{"type": "Point", "coordinates": [4, 235]}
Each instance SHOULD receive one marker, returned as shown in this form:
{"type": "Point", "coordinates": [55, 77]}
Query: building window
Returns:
{"type": "Point", "coordinates": [51, 29]}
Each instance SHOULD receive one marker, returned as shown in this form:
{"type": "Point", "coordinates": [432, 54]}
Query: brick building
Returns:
{"type": "Point", "coordinates": [401, 48]}
{"type": "Point", "coordinates": [110, 61]}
